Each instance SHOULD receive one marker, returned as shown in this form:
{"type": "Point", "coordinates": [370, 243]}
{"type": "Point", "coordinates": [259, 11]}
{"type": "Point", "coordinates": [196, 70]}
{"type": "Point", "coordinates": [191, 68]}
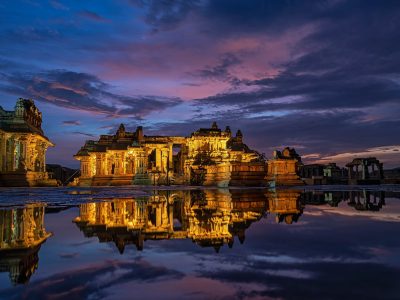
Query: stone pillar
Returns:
{"type": "Point", "coordinates": [24, 155]}
{"type": "Point", "coordinates": [158, 215]}
{"type": "Point", "coordinates": [98, 164]}
{"type": "Point", "coordinates": [165, 158]}
{"type": "Point", "coordinates": [171, 155]}
{"type": "Point", "coordinates": [10, 154]}
{"type": "Point", "coordinates": [137, 164]}
{"type": "Point", "coordinates": [158, 159]}
{"type": "Point", "coordinates": [44, 149]}
{"type": "Point", "coordinates": [117, 164]}
{"type": "Point", "coordinates": [123, 163]}
{"type": "Point", "coordinates": [171, 216]}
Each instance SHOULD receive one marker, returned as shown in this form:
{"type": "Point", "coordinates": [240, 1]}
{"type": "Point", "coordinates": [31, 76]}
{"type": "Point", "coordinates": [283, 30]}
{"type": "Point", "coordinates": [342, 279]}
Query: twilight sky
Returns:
{"type": "Point", "coordinates": [320, 76]}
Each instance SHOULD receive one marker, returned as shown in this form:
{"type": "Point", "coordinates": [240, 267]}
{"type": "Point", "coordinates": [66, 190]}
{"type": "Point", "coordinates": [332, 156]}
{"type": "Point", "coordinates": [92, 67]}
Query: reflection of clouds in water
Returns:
{"type": "Point", "coordinates": [313, 213]}
{"type": "Point", "coordinates": [350, 212]}
{"type": "Point", "coordinates": [90, 280]}
{"type": "Point", "coordinates": [291, 260]}
{"type": "Point", "coordinates": [69, 255]}
{"type": "Point", "coordinates": [301, 257]}
{"type": "Point", "coordinates": [327, 280]}
{"type": "Point", "coordinates": [85, 242]}
{"type": "Point", "coordinates": [294, 273]}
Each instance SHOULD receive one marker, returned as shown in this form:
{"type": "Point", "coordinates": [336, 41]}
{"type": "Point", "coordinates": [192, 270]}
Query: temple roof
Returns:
{"type": "Point", "coordinates": [363, 161]}
{"type": "Point", "coordinates": [26, 118]}
{"type": "Point", "coordinates": [212, 131]}
{"type": "Point", "coordinates": [22, 127]}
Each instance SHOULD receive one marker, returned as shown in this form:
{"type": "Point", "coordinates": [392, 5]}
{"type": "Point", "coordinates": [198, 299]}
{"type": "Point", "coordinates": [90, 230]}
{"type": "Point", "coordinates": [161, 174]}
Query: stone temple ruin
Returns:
{"type": "Point", "coordinates": [283, 168]}
{"type": "Point", "coordinates": [209, 156]}
{"type": "Point", "coordinates": [23, 147]}
{"type": "Point", "coordinates": [365, 171]}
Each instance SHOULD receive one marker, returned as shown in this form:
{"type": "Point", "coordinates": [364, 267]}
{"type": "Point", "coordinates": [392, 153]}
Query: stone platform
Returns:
{"type": "Point", "coordinates": [106, 180]}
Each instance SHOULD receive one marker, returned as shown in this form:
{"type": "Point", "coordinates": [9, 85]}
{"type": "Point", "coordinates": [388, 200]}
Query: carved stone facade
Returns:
{"type": "Point", "coordinates": [23, 146]}
{"type": "Point", "coordinates": [283, 168]}
{"type": "Point", "coordinates": [210, 156]}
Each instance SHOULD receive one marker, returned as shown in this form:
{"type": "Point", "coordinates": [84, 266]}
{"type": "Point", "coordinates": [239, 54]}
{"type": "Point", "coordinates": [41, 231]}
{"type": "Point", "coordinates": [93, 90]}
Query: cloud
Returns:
{"type": "Point", "coordinates": [384, 153]}
{"type": "Point", "coordinates": [167, 14]}
{"type": "Point", "coordinates": [220, 71]}
{"type": "Point", "coordinates": [57, 5]}
{"type": "Point", "coordinates": [81, 91]}
{"type": "Point", "coordinates": [85, 134]}
{"type": "Point", "coordinates": [31, 34]}
{"type": "Point", "coordinates": [90, 15]}
{"type": "Point", "coordinates": [72, 123]}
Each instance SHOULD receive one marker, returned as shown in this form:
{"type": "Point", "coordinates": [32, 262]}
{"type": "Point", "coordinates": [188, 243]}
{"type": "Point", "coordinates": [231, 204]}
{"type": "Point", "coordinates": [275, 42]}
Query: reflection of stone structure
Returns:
{"type": "Point", "coordinates": [323, 197]}
{"type": "Point", "coordinates": [209, 156]}
{"type": "Point", "coordinates": [360, 200]}
{"type": "Point", "coordinates": [285, 204]}
{"type": "Point", "coordinates": [366, 200]}
{"type": "Point", "coordinates": [283, 168]}
{"type": "Point", "coordinates": [23, 146]}
{"type": "Point", "coordinates": [21, 234]}
{"type": "Point", "coordinates": [315, 174]}
{"type": "Point", "coordinates": [365, 171]}
{"type": "Point", "coordinates": [210, 218]}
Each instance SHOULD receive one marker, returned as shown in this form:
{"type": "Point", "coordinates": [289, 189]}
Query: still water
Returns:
{"type": "Point", "coordinates": [124, 243]}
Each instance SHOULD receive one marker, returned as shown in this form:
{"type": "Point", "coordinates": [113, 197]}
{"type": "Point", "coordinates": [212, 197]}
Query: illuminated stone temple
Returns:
{"type": "Point", "coordinates": [22, 233]}
{"type": "Point", "coordinates": [283, 168]}
{"type": "Point", "coordinates": [23, 147]}
{"type": "Point", "coordinates": [209, 156]}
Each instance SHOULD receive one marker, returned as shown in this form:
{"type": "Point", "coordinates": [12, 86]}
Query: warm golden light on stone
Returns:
{"type": "Point", "coordinates": [23, 147]}
{"type": "Point", "coordinates": [210, 156]}
{"type": "Point", "coordinates": [211, 218]}
{"type": "Point", "coordinates": [22, 232]}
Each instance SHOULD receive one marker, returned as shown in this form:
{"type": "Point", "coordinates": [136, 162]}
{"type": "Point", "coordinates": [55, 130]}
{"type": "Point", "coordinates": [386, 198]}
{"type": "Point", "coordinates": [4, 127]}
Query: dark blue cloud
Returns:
{"type": "Point", "coordinates": [81, 91]}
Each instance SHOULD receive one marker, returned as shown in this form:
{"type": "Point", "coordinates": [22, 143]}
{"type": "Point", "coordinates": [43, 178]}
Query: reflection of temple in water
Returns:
{"type": "Point", "coordinates": [206, 217]}
{"type": "Point", "coordinates": [286, 205]}
{"type": "Point", "coordinates": [21, 234]}
{"type": "Point", "coordinates": [210, 218]}
{"type": "Point", "coordinates": [366, 200]}
{"type": "Point", "coordinates": [360, 200]}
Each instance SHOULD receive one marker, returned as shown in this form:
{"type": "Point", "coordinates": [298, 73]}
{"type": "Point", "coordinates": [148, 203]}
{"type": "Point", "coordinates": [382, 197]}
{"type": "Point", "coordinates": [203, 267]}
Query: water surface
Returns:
{"type": "Point", "coordinates": [125, 243]}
